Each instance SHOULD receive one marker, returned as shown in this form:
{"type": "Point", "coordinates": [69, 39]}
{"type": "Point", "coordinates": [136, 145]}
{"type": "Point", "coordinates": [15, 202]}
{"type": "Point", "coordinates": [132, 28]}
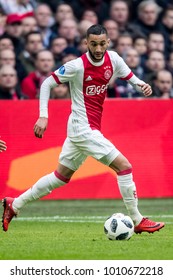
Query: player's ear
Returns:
{"type": "Point", "coordinates": [85, 41]}
{"type": "Point", "coordinates": [108, 41]}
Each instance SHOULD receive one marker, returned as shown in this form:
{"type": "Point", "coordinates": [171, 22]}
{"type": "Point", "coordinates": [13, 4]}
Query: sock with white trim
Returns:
{"type": "Point", "coordinates": [127, 189]}
{"type": "Point", "coordinates": [42, 187]}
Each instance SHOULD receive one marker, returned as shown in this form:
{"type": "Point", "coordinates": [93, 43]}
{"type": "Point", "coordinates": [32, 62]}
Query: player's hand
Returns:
{"type": "Point", "coordinates": [146, 89]}
{"type": "Point", "coordinates": [3, 146]}
{"type": "Point", "coordinates": [40, 127]}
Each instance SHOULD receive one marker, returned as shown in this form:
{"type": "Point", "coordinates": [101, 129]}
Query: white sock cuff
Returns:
{"type": "Point", "coordinates": [125, 180]}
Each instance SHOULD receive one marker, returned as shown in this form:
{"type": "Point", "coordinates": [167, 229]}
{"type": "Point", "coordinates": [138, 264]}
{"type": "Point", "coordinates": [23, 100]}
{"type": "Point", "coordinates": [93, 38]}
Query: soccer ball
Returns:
{"type": "Point", "coordinates": [119, 227]}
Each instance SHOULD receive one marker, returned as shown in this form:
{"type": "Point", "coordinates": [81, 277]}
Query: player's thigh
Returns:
{"type": "Point", "coordinates": [99, 147]}
{"type": "Point", "coordinates": [71, 156]}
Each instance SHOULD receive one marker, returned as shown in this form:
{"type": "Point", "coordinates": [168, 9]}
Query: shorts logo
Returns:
{"type": "Point", "coordinates": [107, 74]}
{"type": "Point", "coordinates": [135, 194]}
{"type": "Point", "coordinates": [93, 89]}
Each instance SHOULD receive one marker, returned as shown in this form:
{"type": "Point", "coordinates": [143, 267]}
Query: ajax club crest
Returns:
{"type": "Point", "coordinates": [107, 74]}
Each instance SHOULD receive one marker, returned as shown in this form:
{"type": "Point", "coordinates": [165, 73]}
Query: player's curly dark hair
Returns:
{"type": "Point", "coordinates": [96, 29]}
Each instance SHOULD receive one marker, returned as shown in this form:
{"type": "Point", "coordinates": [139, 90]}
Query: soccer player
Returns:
{"type": "Point", "coordinates": [3, 146]}
{"type": "Point", "coordinates": [89, 76]}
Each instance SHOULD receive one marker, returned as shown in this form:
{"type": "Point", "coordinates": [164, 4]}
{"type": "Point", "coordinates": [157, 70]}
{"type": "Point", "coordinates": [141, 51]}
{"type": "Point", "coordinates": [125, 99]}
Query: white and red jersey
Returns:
{"type": "Point", "coordinates": [88, 82]}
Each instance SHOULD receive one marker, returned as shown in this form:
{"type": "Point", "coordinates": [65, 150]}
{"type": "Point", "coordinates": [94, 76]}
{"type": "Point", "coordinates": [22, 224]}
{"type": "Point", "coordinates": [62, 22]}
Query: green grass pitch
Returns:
{"type": "Point", "coordinates": [73, 230]}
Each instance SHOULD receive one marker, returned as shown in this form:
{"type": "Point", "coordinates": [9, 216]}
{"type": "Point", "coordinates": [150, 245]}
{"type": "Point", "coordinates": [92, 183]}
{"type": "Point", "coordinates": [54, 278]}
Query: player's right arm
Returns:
{"type": "Point", "coordinates": [64, 74]}
{"type": "Point", "coordinates": [42, 122]}
{"type": "Point", "coordinates": [3, 146]}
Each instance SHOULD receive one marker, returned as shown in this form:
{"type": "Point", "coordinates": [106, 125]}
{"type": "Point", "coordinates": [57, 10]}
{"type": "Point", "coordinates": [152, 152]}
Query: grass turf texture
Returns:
{"type": "Point", "coordinates": [73, 230]}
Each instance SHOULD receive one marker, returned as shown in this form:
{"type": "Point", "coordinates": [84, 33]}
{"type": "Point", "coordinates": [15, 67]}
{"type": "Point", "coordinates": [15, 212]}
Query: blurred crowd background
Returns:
{"type": "Point", "coordinates": [38, 36]}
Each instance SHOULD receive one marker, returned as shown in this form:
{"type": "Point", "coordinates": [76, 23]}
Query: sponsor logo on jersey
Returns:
{"type": "Point", "coordinates": [93, 89]}
{"type": "Point", "coordinates": [107, 74]}
{"type": "Point", "coordinates": [61, 70]}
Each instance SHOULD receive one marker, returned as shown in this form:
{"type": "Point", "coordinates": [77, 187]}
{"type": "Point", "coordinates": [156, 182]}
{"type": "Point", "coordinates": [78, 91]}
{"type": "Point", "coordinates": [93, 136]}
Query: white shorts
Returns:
{"type": "Point", "coordinates": [94, 144]}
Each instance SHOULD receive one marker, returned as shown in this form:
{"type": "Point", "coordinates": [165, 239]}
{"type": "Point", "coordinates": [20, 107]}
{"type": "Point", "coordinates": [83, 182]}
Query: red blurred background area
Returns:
{"type": "Point", "coordinates": [141, 129]}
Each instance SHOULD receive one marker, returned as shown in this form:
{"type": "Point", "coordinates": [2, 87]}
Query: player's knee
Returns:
{"type": "Point", "coordinates": [126, 166]}
{"type": "Point", "coordinates": [121, 163]}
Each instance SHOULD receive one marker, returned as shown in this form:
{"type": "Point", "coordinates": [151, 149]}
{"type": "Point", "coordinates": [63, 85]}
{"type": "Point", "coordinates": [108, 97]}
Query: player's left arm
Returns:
{"type": "Point", "coordinates": [125, 73]}
{"type": "Point", "coordinates": [146, 89]}
{"type": "Point", "coordinates": [140, 85]}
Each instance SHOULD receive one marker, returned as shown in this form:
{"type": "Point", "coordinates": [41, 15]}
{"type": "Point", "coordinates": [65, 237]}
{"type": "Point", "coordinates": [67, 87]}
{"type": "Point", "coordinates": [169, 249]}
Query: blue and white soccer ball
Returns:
{"type": "Point", "coordinates": [119, 227]}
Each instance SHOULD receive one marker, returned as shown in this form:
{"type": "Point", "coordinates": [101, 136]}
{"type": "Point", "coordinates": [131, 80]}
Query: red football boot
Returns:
{"type": "Point", "coordinates": [148, 226]}
{"type": "Point", "coordinates": [8, 213]}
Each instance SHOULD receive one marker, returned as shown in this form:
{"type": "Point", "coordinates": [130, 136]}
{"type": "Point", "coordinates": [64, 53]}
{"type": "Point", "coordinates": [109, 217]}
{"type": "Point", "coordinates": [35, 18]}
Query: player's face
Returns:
{"type": "Point", "coordinates": [97, 45]}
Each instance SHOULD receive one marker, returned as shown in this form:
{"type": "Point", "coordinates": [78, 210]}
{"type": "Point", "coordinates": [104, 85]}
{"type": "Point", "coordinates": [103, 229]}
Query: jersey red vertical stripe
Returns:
{"type": "Point", "coordinates": [95, 83]}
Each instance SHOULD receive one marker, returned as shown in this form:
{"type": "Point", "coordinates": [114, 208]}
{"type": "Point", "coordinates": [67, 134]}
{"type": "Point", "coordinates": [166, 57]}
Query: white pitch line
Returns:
{"type": "Point", "coordinates": [79, 219]}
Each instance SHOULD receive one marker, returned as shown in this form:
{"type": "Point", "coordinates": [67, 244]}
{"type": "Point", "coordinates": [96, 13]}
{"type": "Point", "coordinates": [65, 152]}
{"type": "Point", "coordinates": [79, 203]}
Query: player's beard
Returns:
{"type": "Point", "coordinates": [94, 58]}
